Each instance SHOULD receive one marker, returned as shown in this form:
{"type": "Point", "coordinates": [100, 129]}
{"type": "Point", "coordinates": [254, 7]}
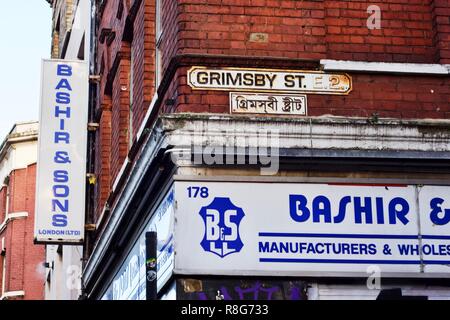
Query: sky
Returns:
{"type": "Point", "coordinates": [25, 39]}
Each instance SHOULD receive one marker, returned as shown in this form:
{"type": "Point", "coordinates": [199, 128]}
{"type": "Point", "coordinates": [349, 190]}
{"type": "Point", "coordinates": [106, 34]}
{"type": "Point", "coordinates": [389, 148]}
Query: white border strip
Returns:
{"type": "Point", "coordinates": [12, 294]}
{"type": "Point", "coordinates": [385, 67]}
{"type": "Point", "coordinates": [16, 215]}
{"type": "Point", "coordinates": [120, 174]}
{"type": "Point", "coordinates": [12, 216]}
{"type": "Point", "coordinates": [147, 115]}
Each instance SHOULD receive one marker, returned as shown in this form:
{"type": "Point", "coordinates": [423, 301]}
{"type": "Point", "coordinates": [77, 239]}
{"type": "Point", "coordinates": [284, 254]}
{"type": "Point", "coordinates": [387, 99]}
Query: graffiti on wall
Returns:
{"type": "Point", "coordinates": [231, 289]}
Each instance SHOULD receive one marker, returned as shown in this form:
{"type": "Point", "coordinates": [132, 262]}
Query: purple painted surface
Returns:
{"type": "Point", "coordinates": [230, 289]}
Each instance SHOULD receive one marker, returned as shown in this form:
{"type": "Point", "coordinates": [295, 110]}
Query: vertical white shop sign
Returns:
{"type": "Point", "coordinates": [61, 169]}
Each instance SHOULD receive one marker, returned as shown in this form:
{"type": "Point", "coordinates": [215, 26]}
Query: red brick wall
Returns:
{"type": "Point", "coordinates": [17, 185]}
{"type": "Point", "coordinates": [114, 63]}
{"type": "Point", "coordinates": [403, 97]}
{"type": "Point", "coordinates": [34, 255]}
{"type": "Point", "coordinates": [144, 62]}
{"type": "Point", "coordinates": [406, 33]}
{"type": "Point", "coordinates": [103, 159]}
{"type": "Point", "coordinates": [172, 24]}
{"type": "Point", "coordinates": [23, 259]}
{"type": "Point", "coordinates": [3, 192]}
{"type": "Point", "coordinates": [441, 16]}
{"type": "Point", "coordinates": [120, 116]}
{"type": "Point", "coordinates": [1, 270]}
{"type": "Point", "coordinates": [311, 29]}
{"type": "Point", "coordinates": [295, 29]}
{"type": "Point", "coordinates": [16, 249]}
{"type": "Point", "coordinates": [415, 31]}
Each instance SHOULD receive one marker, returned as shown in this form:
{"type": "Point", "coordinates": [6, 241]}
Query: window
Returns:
{"type": "Point", "coordinates": [131, 86]}
{"type": "Point", "coordinates": [3, 257]}
{"type": "Point", "coordinates": [120, 10]}
{"type": "Point", "coordinates": [7, 200]}
{"type": "Point", "coordinates": [4, 201]}
{"type": "Point", "coordinates": [5, 205]}
{"type": "Point", "coordinates": [80, 54]}
{"type": "Point", "coordinates": [159, 35]}
{"type": "Point", "coordinates": [158, 19]}
{"type": "Point", "coordinates": [127, 41]}
{"type": "Point", "coordinates": [3, 192]}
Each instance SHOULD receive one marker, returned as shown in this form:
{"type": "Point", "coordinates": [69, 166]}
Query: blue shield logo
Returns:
{"type": "Point", "coordinates": [222, 219]}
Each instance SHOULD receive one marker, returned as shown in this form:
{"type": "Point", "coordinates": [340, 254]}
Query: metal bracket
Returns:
{"type": "Point", "coordinates": [92, 178]}
{"type": "Point", "coordinates": [90, 227]}
{"type": "Point", "coordinates": [93, 126]}
{"type": "Point", "coordinates": [95, 78]}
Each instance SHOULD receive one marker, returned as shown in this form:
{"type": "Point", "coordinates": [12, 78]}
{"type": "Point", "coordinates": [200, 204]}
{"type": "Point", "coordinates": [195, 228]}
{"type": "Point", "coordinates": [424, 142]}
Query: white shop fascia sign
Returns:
{"type": "Point", "coordinates": [61, 167]}
{"type": "Point", "coordinates": [298, 229]}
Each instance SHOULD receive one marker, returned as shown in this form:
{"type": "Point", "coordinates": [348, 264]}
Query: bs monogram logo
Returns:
{"type": "Point", "coordinates": [222, 219]}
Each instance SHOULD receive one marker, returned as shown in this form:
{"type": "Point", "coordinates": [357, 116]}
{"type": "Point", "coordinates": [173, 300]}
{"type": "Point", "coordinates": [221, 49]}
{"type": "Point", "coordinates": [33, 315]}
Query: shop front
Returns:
{"type": "Point", "coordinates": [243, 238]}
{"type": "Point", "coordinates": [314, 208]}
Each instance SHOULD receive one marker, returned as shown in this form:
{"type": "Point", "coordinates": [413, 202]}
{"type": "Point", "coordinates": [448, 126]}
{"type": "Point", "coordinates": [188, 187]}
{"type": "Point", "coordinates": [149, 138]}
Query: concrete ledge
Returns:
{"type": "Point", "coordinates": [353, 136]}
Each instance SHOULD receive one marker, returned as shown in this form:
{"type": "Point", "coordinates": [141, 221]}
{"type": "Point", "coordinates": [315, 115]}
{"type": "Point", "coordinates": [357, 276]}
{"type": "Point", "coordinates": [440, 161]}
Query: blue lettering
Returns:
{"type": "Point", "coordinates": [360, 209]}
{"type": "Point", "coordinates": [59, 220]}
{"type": "Point", "coordinates": [59, 111]}
{"type": "Point", "coordinates": [355, 248]}
{"type": "Point", "coordinates": [63, 97]}
{"type": "Point", "coordinates": [322, 250]}
{"type": "Point", "coordinates": [264, 247]}
{"type": "Point", "coordinates": [380, 210]}
{"type": "Point", "coordinates": [320, 210]}
{"type": "Point", "coordinates": [62, 137]}
{"type": "Point", "coordinates": [63, 206]}
{"type": "Point", "coordinates": [61, 157]}
{"type": "Point", "coordinates": [64, 70]}
{"type": "Point", "coordinates": [345, 248]}
{"type": "Point", "coordinates": [311, 248]}
{"type": "Point", "coordinates": [396, 213]}
{"type": "Point", "coordinates": [63, 84]}
{"type": "Point", "coordinates": [426, 249]}
{"type": "Point", "coordinates": [274, 248]}
{"type": "Point", "coordinates": [342, 208]}
{"type": "Point", "coordinates": [321, 207]}
{"type": "Point", "coordinates": [61, 176]}
{"type": "Point", "coordinates": [284, 247]}
{"type": "Point", "coordinates": [61, 191]}
{"type": "Point", "coordinates": [436, 209]}
{"type": "Point", "coordinates": [297, 203]}
{"type": "Point", "coordinates": [408, 249]}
